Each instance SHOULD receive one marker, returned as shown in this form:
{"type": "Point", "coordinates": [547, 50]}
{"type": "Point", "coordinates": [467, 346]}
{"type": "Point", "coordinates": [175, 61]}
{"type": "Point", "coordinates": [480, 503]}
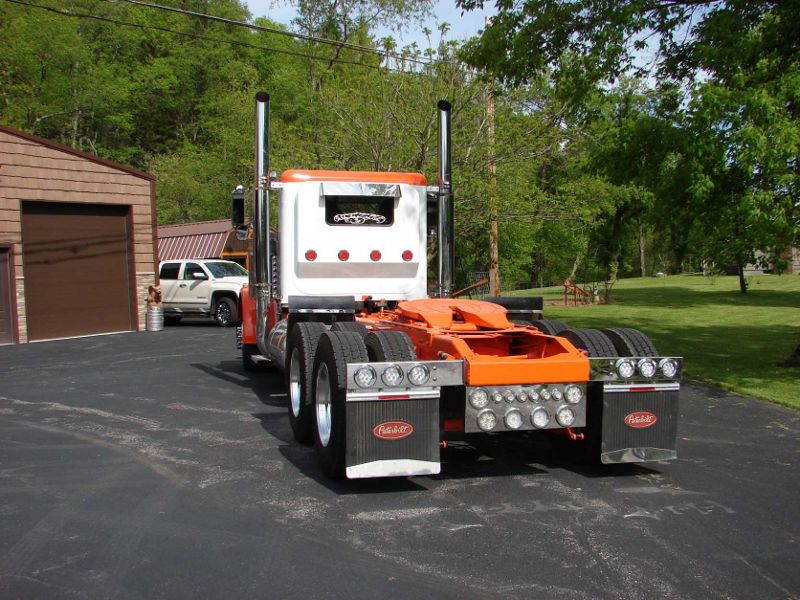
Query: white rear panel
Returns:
{"type": "Point", "coordinates": [303, 227]}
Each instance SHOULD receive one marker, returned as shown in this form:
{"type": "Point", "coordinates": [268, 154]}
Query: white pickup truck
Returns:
{"type": "Point", "coordinates": [201, 287]}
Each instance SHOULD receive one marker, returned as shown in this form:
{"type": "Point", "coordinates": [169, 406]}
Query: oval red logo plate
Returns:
{"type": "Point", "coordinates": [641, 419]}
{"type": "Point", "coordinates": [392, 430]}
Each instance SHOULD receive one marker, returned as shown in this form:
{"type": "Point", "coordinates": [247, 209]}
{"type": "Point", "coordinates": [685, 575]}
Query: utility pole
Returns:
{"type": "Point", "coordinates": [494, 253]}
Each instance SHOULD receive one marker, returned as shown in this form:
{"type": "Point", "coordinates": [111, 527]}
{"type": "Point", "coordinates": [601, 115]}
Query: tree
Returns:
{"type": "Point", "coordinates": [740, 170]}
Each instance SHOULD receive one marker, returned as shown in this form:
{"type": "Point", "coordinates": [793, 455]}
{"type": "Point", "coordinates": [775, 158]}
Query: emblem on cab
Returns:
{"type": "Point", "coordinates": [392, 430]}
{"type": "Point", "coordinates": [640, 420]}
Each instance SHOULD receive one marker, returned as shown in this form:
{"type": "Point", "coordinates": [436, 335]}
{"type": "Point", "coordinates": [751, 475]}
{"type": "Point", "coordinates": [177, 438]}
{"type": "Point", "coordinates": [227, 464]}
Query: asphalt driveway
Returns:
{"type": "Point", "coordinates": [150, 465]}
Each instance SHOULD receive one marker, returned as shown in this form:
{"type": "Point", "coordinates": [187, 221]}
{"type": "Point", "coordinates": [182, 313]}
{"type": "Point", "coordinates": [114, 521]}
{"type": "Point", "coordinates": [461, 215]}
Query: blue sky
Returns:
{"type": "Point", "coordinates": [444, 11]}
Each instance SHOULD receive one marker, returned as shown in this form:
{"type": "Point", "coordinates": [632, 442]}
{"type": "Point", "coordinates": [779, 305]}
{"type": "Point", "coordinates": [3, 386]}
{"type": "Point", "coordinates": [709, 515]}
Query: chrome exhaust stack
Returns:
{"type": "Point", "coordinates": [261, 250]}
{"type": "Point", "coordinates": [446, 233]}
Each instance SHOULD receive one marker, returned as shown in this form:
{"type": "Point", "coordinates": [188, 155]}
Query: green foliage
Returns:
{"type": "Point", "coordinates": [592, 182]}
{"type": "Point", "coordinates": [716, 174]}
{"type": "Point", "coordinates": [738, 342]}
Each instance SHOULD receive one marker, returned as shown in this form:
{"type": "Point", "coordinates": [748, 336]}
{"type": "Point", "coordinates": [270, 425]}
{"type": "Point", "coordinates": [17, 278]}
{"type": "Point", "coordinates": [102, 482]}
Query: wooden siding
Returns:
{"type": "Point", "coordinates": [32, 169]}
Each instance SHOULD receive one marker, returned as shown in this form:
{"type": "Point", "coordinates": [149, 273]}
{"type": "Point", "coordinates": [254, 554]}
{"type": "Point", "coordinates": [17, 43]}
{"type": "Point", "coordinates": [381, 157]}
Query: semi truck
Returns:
{"type": "Point", "coordinates": [380, 375]}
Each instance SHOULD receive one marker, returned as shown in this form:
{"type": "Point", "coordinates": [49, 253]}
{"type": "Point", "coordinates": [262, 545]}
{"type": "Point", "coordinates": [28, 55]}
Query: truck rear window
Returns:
{"type": "Point", "coordinates": [359, 210]}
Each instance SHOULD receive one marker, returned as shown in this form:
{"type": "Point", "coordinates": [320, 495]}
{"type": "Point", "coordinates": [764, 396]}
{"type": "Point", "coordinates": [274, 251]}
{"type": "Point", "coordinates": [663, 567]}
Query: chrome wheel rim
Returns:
{"type": "Point", "coordinates": [294, 382]}
{"type": "Point", "coordinates": [223, 313]}
{"type": "Point", "coordinates": [323, 404]}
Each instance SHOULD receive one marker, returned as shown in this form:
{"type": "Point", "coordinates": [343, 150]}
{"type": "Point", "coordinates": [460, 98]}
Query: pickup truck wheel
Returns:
{"type": "Point", "coordinates": [335, 350]}
{"type": "Point", "coordinates": [225, 312]}
{"type": "Point", "coordinates": [389, 346]}
{"type": "Point", "coordinates": [300, 349]}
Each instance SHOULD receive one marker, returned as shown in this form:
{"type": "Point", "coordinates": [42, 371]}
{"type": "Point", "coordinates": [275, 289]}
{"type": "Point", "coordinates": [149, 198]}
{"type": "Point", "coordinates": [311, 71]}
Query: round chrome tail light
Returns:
{"type": "Point", "coordinates": [647, 368]}
{"type": "Point", "coordinates": [540, 418]}
{"type": "Point", "coordinates": [625, 368]}
{"type": "Point", "coordinates": [573, 394]}
{"type": "Point", "coordinates": [479, 398]}
{"type": "Point", "coordinates": [513, 419]}
{"type": "Point", "coordinates": [418, 375]}
{"type": "Point", "coordinates": [565, 417]}
{"type": "Point", "coordinates": [366, 377]}
{"type": "Point", "coordinates": [669, 367]}
{"type": "Point", "coordinates": [487, 420]}
{"type": "Point", "coordinates": [392, 376]}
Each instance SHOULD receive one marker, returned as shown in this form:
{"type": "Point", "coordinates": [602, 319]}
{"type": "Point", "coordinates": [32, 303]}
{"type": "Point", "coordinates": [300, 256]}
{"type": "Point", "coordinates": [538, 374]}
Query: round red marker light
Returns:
{"type": "Point", "coordinates": [375, 255]}
{"type": "Point", "coordinates": [311, 255]}
{"type": "Point", "coordinates": [407, 255]}
{"type": "Point", "coordinates": [344, 255]}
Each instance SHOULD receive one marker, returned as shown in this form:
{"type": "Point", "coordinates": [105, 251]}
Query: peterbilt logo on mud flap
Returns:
{"type": "Point", "coordinates": [640, 420]}
{"type": "Point", "coordinates": [392, 430]}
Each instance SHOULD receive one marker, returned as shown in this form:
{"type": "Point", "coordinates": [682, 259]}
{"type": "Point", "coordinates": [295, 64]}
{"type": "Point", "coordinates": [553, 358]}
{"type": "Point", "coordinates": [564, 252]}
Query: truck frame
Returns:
{"type": "Point", "coordinates": [380, 376]}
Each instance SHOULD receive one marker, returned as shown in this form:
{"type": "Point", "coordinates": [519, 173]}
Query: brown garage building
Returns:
{"type": "Point", "coordinates": [77, 239]}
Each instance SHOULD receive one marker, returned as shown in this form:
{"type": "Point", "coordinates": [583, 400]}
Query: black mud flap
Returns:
{"type": "Point", "coordinates": [392, 435]}
{"type": "Point", "coordinates": [640, 423]}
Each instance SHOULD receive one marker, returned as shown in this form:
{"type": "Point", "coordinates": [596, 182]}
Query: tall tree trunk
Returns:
{"type": "Point", "coordinates": [742, 281]}
{"type": "Point", "coordinates": [575, 266]}
{"type": "Point", "coordinates": [494, 252]}
{"type": "Point", "coordinates": [642, 265]}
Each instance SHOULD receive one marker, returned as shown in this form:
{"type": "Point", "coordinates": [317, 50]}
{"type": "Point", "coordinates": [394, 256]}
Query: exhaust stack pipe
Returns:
{"type": "Point", "coordinates": [260, 273]}
{"type": "Point", "coordinates": [446, 232]}
{"type": "Point", "coordinates": [261, 190]}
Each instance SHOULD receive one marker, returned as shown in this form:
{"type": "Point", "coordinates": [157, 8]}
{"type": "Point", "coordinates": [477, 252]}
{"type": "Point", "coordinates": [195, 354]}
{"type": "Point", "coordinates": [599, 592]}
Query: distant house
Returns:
{"type": "Point", "coordinates": [791, 256]}
{"type": "Point", "coordinates": [205, 239]}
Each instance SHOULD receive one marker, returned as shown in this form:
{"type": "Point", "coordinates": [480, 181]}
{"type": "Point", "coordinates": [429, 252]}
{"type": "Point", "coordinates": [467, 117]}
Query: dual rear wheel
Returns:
{"type": "Point", "coordinates": [316, 376]}
{"type": "Point", "coordinates": [598, 343]}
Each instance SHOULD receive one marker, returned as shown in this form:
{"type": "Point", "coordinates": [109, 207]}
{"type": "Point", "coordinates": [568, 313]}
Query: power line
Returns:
{"type": "Point", "coordinates": [65, 13]}
{"type": "Point", "coordinates": [300, 36]}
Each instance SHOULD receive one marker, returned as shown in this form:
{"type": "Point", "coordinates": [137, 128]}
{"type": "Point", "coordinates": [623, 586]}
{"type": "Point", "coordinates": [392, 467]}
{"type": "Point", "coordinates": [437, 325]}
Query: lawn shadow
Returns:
{"type": "Point", "coordinates": [676, 296]}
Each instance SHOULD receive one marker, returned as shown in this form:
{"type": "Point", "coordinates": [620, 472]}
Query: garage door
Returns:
{"type": "Point", "coordinates": [77, 269]}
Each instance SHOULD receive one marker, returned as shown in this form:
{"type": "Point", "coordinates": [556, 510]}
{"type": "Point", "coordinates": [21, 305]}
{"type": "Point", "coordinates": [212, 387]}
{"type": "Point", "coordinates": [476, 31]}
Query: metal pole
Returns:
{"type": "Point", "coordinates": [261, 221]}
{"type": "Point", "coordinates": [261, 187]}
{"type": "Point", "coordinates": [446, 232]}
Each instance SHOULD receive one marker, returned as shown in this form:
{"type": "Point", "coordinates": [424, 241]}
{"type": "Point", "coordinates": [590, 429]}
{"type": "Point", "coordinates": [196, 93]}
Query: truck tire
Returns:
{"type": "Point", "coordinates": [248, 351]}
{"type": "Point", "coordinates": [300, 349]}
{"type": "Point", "coordinates": [358, 328]}
{"type": "Point", "coordinates": [630, 342]}
{"type": "Point", "coordinates": [389, 346]}
{"type": "Point", "coordinates": [594, 341]}
{"type": "Point", "coordinates": [225, 312]}
{"type": "Point", "coordinates": [597, 344]}
{"type": "Point", "coordinates": [335, 350]}
{"type": "Point", "coordinates": [550, 326]}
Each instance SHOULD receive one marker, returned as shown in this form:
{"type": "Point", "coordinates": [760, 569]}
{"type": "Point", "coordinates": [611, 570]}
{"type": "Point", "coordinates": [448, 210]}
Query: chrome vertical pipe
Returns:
{"type": "Point", "coordinates": [261, 187]}
{"type": "Point", "coordinates": [261, 249]}
{"type": "Point", "coordinates": [446, 232]}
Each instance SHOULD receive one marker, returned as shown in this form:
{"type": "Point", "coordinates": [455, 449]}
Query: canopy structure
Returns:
{"type": "Point", "coordinates": [206, 239]}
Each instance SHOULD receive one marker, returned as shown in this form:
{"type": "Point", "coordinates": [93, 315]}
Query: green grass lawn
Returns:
{"type": "Point", "coordinates": [729, 339]}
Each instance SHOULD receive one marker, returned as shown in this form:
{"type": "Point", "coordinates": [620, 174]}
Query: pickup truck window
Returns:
{"type": "Point", "coordinates": [191, 269]}
{"type": "Point", "coordinates": [169, 271]}
{"type": "Point", "coordinates": [225, 269]}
